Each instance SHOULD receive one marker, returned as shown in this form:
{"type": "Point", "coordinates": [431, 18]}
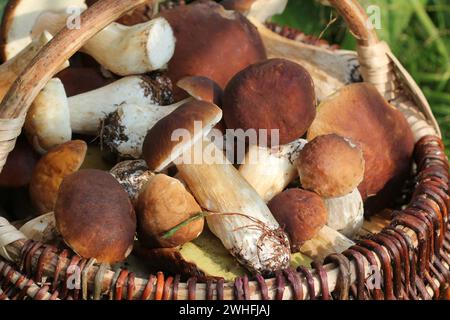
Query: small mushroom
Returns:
{"type": "Point", "coordinates": [133, 175]}
{"type": "Point", "coordinates": [331, 166]}
{"type": "Point", "coordinates": [53, 116]}
{"type": "Point", "coordinates": [261, 10]}
{"type": "Point", "coordinates": [120, 49]}
{"type": "Point", "coordinates": [51, 170]}
{"type": "Point", "coordinates": [226, 41]}
{"type": "Point", "coordinates": [378, 128]}
{"type": "Point", "coordinates": [163, 204]}
{"type": "Point", "coordinates": [95, 216]}
{"type": "Point", "coordinates": [272, 95]}
{"type": "Point", "coordinates": [202, 88]}
{"type": "Point", "coordinates": [301, 213]}
{"type": "Point", "coordinates": [304, 215]}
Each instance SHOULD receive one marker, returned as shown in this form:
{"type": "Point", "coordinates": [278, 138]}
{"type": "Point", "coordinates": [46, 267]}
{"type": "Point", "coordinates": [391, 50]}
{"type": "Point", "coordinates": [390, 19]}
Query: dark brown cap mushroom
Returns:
{"type": "Point", "coordinates": [81, 80]}
{"type": "Point", "coordinates": [160, 149]}
{"type": "Point", "coordinates": [359, 112]}
{"type": "Point", "coordinates": [301, 213]}
{"type": "Point", "coordinates": [273, 94]}
{"type": "Point", "coordinates": [331, 166]}
{"type": "Point", "coordinates": [162, 205]}
{"type": "Point", "coordinates": [202, 88]}
{"type": "Point", "coordinates": [95, 217]}
{"type": "Point", "coordinates": [211, 42]}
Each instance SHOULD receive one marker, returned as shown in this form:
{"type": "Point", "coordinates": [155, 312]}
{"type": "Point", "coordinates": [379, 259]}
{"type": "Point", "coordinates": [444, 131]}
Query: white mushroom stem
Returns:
{"type": "Point", "coordinates": [269, 171]}
{"type": "Point", "coordinates": [326, 242]}
{"type": "Point", "coordinates": [121, 49]}
{"type": "Point", "coordinates": [260, 10]}
{"type": "Point", "coordinates": [346, 214]}
{"type": "Point", "coordinates": [12, 68]}
{"type": "Point", "coordinates": [88, 109]}
{"type": "Point", "coordinates": [218, 187]}
{"type": "Point", "coordinates": [124, 130]}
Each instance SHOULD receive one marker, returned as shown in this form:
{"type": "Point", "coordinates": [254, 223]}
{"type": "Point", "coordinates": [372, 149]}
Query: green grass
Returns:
{"type": "Point", "coordinates": [418, 31]}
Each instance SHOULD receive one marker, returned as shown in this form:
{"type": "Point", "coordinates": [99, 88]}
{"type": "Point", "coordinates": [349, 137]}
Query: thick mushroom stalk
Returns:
{"type": "Point", "coordinates": [12, 68]}
{"type": "Point", "coordinates": [269, 171]}
{"type": "Point", "coordinates": [346, 213]}
{"type": "Point", "coordinates": [53, 117]}
{"type": "Point", "coordinates": [260, 10]}
{"type": "Point", "coordinates": [121, 49]}
{"type": "Point", "coordinates": [123, 131]}
{"type": "Point", "coordinates": [244, 223]}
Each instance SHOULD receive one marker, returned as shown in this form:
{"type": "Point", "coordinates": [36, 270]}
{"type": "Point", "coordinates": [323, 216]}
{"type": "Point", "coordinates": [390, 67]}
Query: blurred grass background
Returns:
{"type": "Point", "coordinates": [418, 32]}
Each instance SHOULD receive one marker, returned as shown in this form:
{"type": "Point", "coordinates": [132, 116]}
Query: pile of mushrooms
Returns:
{"type": "Point", "coordinates": [138, 190]}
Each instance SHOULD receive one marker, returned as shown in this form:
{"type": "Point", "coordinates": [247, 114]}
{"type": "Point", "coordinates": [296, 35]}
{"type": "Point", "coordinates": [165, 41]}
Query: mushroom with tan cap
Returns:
{"type": "Point", "coordinates": [95, 217]}
{"type": "Point", "coordinates": [272, 95]}
{"type": "Point", "coordinates": [378, 128]}
{"type": "Point", "coordinates": [260, 10]}
{"type": "Point", "coordinates": [164, 204]}
{"type": "Point", "coordinates": [19, 18]}
{"type": "Point", "coordinates": [225, 40]}
{"type": "Point", "coordinates": [333, 167]}
{"type": "Point", "coordinates": [202, 88]}
{"type": "Point", "coordinates": [53, 116]}
{"type": "Point", "coordinates": [124, 50]}
{"type": "Point", "coordinates": [51, 170]}
{"type": "Point", "coordinates": [243, 222]}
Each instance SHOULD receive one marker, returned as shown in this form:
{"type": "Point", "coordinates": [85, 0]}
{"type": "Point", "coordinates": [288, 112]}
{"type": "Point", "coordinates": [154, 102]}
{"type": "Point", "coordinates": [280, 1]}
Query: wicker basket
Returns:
{"type": "Point", "coordinates": [410, 252]}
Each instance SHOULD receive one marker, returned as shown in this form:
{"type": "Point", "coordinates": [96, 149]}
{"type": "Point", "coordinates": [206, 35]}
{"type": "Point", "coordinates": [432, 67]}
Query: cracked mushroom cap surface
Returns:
{"type": "Point", "coordinates": [211, 42]}
{"type": "Point", "coordinates": [178, 131]}
{"type": "Point", "coordinates": [95, 216]}
{"type": "Point", "coordinates": [359, 112]}
{"type": "Point", "coordinates": [50, 171]}
{"type": "Point", "coordinates": [163, 204]}
{"type": "Point", "coordinates": [275, 94]}
{"type": "Point", "coordinates": [300, 213]}
{"type": "Point", "coordinates": [331, 166]}
{"type": "Point", "coordinates": [20, 17]}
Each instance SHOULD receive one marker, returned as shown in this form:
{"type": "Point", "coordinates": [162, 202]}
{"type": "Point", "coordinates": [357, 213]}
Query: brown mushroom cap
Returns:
{"type": "Point", "coordinates": [331, 166]}
{"type": "Point", "coordinates": [50, 171]}
{"type": "Point", "coordinates": [80, 80]}
{"type": "Point", "coordinates": [273, 94]}
{"type": "Point", "coordinates": [202, 88]}
{"type": "Point", "coordinates": [301, 213]}
{"type": "Point", "coordinates": [19, 166]}
{"type": "Point", "coordinates": [163, 204]}
{"type": "Point", "coordinates": [211, 42]}
{"type": "Point", "coordinates": [160, 149]}
{"type": "Point", "coordinates": [360, 113]}
{"type": "Point", "coordinates": [95, 217]}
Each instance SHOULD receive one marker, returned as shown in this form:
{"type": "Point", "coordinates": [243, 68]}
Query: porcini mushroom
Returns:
{"type": "Point", "coordinates": [261, 10]}
{"type": "Point", "coordinates": [53, 117]}
{"type": "Point", "coordinates": [244, 223]}
{"type": "Point", "coordinates": [163, 204]}
{"type": "Point", "coordinates": [303, 215]}
{"type": "Point", "coordinates": [331, 166]}
{"type": "Point", "coordinates": [276, 96]}
{"type": "Point", "coordinates": [95, 217]}
{"type": "Point", "coordinates": [220, 59]}
{"type": "Point", "coordinates": [50, 171]}
{"type": "Point", "coordinates": [121, 49]}
{"type": "Point", "coordinates": [202, 88]}
{"type": "Point", "coordinates": [379, 129]}
{"type": "Point", "coordinates": [21, 15]}
{"type": "Point", "coordinates": [78, 80]}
